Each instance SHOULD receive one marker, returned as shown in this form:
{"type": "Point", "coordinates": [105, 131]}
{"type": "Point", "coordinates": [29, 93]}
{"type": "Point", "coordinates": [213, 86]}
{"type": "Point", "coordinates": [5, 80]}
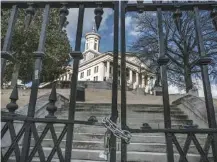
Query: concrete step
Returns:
{"type": "Point", "coordinates": [108, 109]}
{"type": "Point", "coordinates": [108, 106]}
{"type": "Point", "coordinates": [96, 129]}
{"type": "Point", "coordinates": [136, 138]}
{"type": "Point", "coordinates": [138, 116]}
{"type": "Point", "coordinates": [99, 145]}
{"type": "Point", "coordinates": [103, 112]}
{"type": "Point", "coordinates": [13, 159]}
{"type": "Point", "coordinates": [158, 121]}
{"type": "Point", "coordinates": [93, 155]}
{"type": "Point", "coordinates": [158, 125]}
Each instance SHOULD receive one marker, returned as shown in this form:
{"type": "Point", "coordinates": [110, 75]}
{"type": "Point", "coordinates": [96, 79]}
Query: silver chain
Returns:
{"type": "Point", "coordinates": [119, 133]}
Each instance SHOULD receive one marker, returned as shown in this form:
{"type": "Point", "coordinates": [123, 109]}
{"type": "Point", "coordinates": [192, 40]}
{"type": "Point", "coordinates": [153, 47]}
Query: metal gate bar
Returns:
{"type": "Point", "coordinates": [162, 61]}
{"type": "Point", "coordinates": [114, 111]}
{"type": "Point", "coordinates": [5, 53]}
{"type": "Point", "coordinates": [203, 62]}
{"type": "Point", "coordinates": [76, 55]}
{"type": "Point", "coordinates": [35, 83]}
{"type": "Point", "coordinates": [123, 81]}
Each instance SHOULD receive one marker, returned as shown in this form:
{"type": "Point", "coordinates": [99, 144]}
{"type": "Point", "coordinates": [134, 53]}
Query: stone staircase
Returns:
{"type": "Point", "coordinates": [88, 141]}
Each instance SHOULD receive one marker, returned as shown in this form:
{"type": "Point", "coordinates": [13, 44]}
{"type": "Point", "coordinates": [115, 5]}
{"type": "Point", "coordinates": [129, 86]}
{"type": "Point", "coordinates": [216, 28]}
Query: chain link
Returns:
{"type": "Point", "coordinates": [121, 134]}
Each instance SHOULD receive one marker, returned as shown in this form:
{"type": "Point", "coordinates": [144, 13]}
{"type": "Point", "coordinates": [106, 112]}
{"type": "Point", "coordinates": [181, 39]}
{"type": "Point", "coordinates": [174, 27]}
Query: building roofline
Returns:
{"type": "Point", "coordinates": [92, 33]}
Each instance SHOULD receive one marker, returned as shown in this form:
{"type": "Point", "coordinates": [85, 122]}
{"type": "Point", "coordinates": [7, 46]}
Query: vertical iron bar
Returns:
{"type": "Point", "coordinates": [114, 111]}
{"type": "Point", "coordinates": [206, 84]}
{"type": "Point", "coordinates": [166, 103]}
{"type": "Point", "coordinates": [123, 82]}
{"type": "Point", "coordinates": [72, 104]}
{"type": "Point", "coordinates": [8, 38]}
{"type": "Point", "coordinates": [35, 83]}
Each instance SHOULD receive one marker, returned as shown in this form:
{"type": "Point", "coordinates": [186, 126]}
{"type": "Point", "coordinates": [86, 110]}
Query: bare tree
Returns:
{"type": "Point", "coordinates": [181, 45]}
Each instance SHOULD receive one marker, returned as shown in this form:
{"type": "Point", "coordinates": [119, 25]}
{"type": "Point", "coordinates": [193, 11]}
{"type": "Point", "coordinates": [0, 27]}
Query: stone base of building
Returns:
{"type": "Point", "coordinates": [158, 91]}
{"type": "Point", "coordinates": [139, 91]}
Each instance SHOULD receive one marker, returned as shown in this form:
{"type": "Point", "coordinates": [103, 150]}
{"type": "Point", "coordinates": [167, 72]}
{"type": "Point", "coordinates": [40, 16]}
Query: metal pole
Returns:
{"type": "Point", "coordinates": [163, 67]}
{"type": "Point", "coordinates": [74, 79]}
{"type": "Point", "coordinates": [8, 39]}
{"type": "Point", "coordinates": [35, 83]}
{"type": "Point", "coordinates": [114, 110]}
{"type": "Point", "coordinates": [204, 61]}
{"type": "Point", "coordinates": [123, 82]}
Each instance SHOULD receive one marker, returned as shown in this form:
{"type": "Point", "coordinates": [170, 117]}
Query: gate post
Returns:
{"type": "Point", "coordinates": [162, 61]}
{"type": "Point", "coordinates": [114, 113]}
{"type": "Point", "coordinates": [35, 83]}
{"type": "Point", "coordinates": [123, 82]}
{"type": "Point", "coordinates": [203, 62]}
{"type": "Point", "coordinates": [77, 55]}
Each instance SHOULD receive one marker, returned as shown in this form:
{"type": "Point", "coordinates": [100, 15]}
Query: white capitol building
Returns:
{"type": "Point", "coordinates": [96, 66]}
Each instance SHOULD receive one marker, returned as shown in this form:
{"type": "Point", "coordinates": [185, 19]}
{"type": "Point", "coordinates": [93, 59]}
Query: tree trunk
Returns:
{"type": "Point", "coordinates": [15, 75]}
{"type": "Point", "coordinates": [188, 80]}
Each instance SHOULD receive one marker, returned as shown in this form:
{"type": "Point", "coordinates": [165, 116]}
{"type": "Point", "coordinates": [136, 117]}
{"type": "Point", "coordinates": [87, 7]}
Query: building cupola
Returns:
{"type": "Point", "coordinates": [92, 40]}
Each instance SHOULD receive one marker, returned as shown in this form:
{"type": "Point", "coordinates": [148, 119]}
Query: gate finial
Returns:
{"type": "Point", "coordinates": [12, 106]}
{"type": "Point", "coordinates": [30, 12]}
{"type": "Point", "coordinates": [98, 18]}
{"type": "Point", "coordinates": [63, 13]}
{"type": "Point", "coordinates": [51, 108]}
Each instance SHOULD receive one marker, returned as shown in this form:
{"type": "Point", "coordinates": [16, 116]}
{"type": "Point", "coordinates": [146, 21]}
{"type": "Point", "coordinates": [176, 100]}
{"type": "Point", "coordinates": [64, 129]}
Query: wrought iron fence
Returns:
{"type": "Point", "coordinates": [28, 128]}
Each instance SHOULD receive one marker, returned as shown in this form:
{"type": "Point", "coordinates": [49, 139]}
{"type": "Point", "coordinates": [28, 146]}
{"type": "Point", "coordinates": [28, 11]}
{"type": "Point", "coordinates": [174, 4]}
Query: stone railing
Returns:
{"type": "Point", "coordinates": [195, 107]}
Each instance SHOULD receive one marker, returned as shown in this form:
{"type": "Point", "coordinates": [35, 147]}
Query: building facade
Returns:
{"type": "Point", "coordinates": [96, 66]}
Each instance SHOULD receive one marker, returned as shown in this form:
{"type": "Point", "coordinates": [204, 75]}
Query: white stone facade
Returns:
{"type": "Point", "coordinates": [96, 66]}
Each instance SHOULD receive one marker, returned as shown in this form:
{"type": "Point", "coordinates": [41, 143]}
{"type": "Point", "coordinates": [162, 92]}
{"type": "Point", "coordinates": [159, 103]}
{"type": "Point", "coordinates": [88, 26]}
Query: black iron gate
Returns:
{"type": "Point", "coordinates": [29, 127]}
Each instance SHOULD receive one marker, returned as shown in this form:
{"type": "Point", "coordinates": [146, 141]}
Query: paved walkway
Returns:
{"type": "Point", "coordinates": [92, 96]}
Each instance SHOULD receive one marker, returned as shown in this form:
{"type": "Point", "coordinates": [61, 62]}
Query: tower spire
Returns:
{"type": "Point", "coordinates": [93, 29]}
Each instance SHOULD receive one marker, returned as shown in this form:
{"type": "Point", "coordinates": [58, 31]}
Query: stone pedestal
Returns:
{"type": "Point", "coordinates": [80, 94]}
{"type": "Point", "coordinates": [157, 91]}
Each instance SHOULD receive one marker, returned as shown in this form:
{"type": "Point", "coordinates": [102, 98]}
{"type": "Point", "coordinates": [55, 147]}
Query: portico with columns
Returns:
{"type": "Point", "coordinates": [96, 66]}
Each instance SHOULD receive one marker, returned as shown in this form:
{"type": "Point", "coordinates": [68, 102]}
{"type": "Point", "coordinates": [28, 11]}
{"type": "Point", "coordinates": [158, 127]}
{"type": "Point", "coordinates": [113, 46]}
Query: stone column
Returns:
{"type": "Point", "coordinates": [143, 81]}
{"type": "Point", "coordinates": [130, 76]}
{"type": "Point", "coordinates": [101, 71]}
{"type": "Point", "coordinates": [64, 78]}
{"type": "Point", "coordinates": [107, 69]}
{"type": "Point", "coordinates": [67, 76]}
{"type": "Point", "coordinates": [137, 79]}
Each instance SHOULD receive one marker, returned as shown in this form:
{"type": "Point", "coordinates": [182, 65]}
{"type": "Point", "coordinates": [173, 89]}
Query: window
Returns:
{"type": "Point", "coordinates": [96, 69]}
{"type": "Point", "coordinates": [110, 70]}
{"type": "Point", "coordinates": [86, 46]}
{"type": "Point", "coordinates": [82, 75]}
{"type": "Point", "coordinates": [89, 72]}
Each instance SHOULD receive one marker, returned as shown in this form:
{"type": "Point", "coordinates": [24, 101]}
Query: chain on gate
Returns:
{"type": "Point", "coordinates": [119, 133]}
